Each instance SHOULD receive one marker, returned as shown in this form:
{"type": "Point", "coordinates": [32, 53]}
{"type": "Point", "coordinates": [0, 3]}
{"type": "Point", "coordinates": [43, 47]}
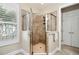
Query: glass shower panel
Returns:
{"type": "Point", "coordinates": [24, 23]}
{"type": "Point", "coordinates": [51, 22]}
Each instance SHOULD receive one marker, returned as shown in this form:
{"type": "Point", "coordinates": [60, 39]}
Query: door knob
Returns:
{"type": "Point", "coordinates": [71, 32]}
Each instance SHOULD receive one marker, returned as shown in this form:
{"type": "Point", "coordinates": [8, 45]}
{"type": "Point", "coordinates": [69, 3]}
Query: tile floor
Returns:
{"type": "Point", "coordinates": [39, 48]}
{"type": "Point", "coordinates": [68, 50]}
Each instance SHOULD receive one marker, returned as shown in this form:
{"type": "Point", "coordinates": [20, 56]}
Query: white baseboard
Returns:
{"type": "Point", "coordinates": [18, 51]}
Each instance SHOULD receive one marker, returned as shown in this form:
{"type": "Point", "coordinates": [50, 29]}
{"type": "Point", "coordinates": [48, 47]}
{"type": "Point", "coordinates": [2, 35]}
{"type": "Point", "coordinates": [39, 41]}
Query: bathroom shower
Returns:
{"type": "Point", "coordinates": [38, 34]}
{"type": "Point", "coordinates": [40, 31]}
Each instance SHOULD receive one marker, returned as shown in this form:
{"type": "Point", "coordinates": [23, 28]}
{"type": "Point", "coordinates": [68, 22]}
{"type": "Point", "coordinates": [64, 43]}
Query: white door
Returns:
{"type": "Point", "coordinates": [75, 28]}
{"type": "Point", "coordinates": [66, 29]}
{"type": "Point", "coordinates": [71, 28]}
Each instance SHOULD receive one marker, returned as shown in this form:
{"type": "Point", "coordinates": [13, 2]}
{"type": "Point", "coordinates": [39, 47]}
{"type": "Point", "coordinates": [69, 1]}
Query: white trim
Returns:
{"type": "Point", "coordinates": [8, 22]}
{"type": "Point", "coordinates": [18, 51]}
{"type": "Point", "coordinates": [59, 17]}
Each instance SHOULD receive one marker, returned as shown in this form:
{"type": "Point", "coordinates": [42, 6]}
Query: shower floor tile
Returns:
{"type": "Point", "coordinates": [39, 48]}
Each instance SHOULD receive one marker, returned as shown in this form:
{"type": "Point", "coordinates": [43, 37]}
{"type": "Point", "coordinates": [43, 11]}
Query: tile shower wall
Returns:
{"type": "Point", "coordinates": [38, 34]}
{"type": "Point", "coordinates": [38, 29]}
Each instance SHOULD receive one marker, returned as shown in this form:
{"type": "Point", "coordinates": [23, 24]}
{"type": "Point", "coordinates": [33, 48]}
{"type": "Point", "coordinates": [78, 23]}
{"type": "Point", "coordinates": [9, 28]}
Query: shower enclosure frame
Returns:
{"type": "Point", "coordinates": [46, 31]}
{"type": "Point", "coordinates": [31, 40]}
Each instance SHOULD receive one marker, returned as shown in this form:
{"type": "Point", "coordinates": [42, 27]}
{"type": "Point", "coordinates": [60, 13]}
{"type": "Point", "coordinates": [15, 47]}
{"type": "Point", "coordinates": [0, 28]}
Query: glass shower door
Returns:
{"type": "Point", "coordinates": [51, 31]}
{"type": "Point", "coordinates": [38, 35]}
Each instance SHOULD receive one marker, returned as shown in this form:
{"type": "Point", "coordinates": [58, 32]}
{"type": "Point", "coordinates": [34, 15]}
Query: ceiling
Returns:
{"type": "Point", "coordinates": [42, 7]}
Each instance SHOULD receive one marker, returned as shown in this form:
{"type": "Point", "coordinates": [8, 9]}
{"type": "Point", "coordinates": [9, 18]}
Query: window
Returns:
{"type": "Point", "coordinates": [7, 31]}
{"type": "Point", "coordinates": [8, 25]}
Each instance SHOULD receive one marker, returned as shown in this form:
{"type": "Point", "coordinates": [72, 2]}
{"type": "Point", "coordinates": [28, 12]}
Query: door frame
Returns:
{"type": "Point", "coordinates": [61, 22]}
